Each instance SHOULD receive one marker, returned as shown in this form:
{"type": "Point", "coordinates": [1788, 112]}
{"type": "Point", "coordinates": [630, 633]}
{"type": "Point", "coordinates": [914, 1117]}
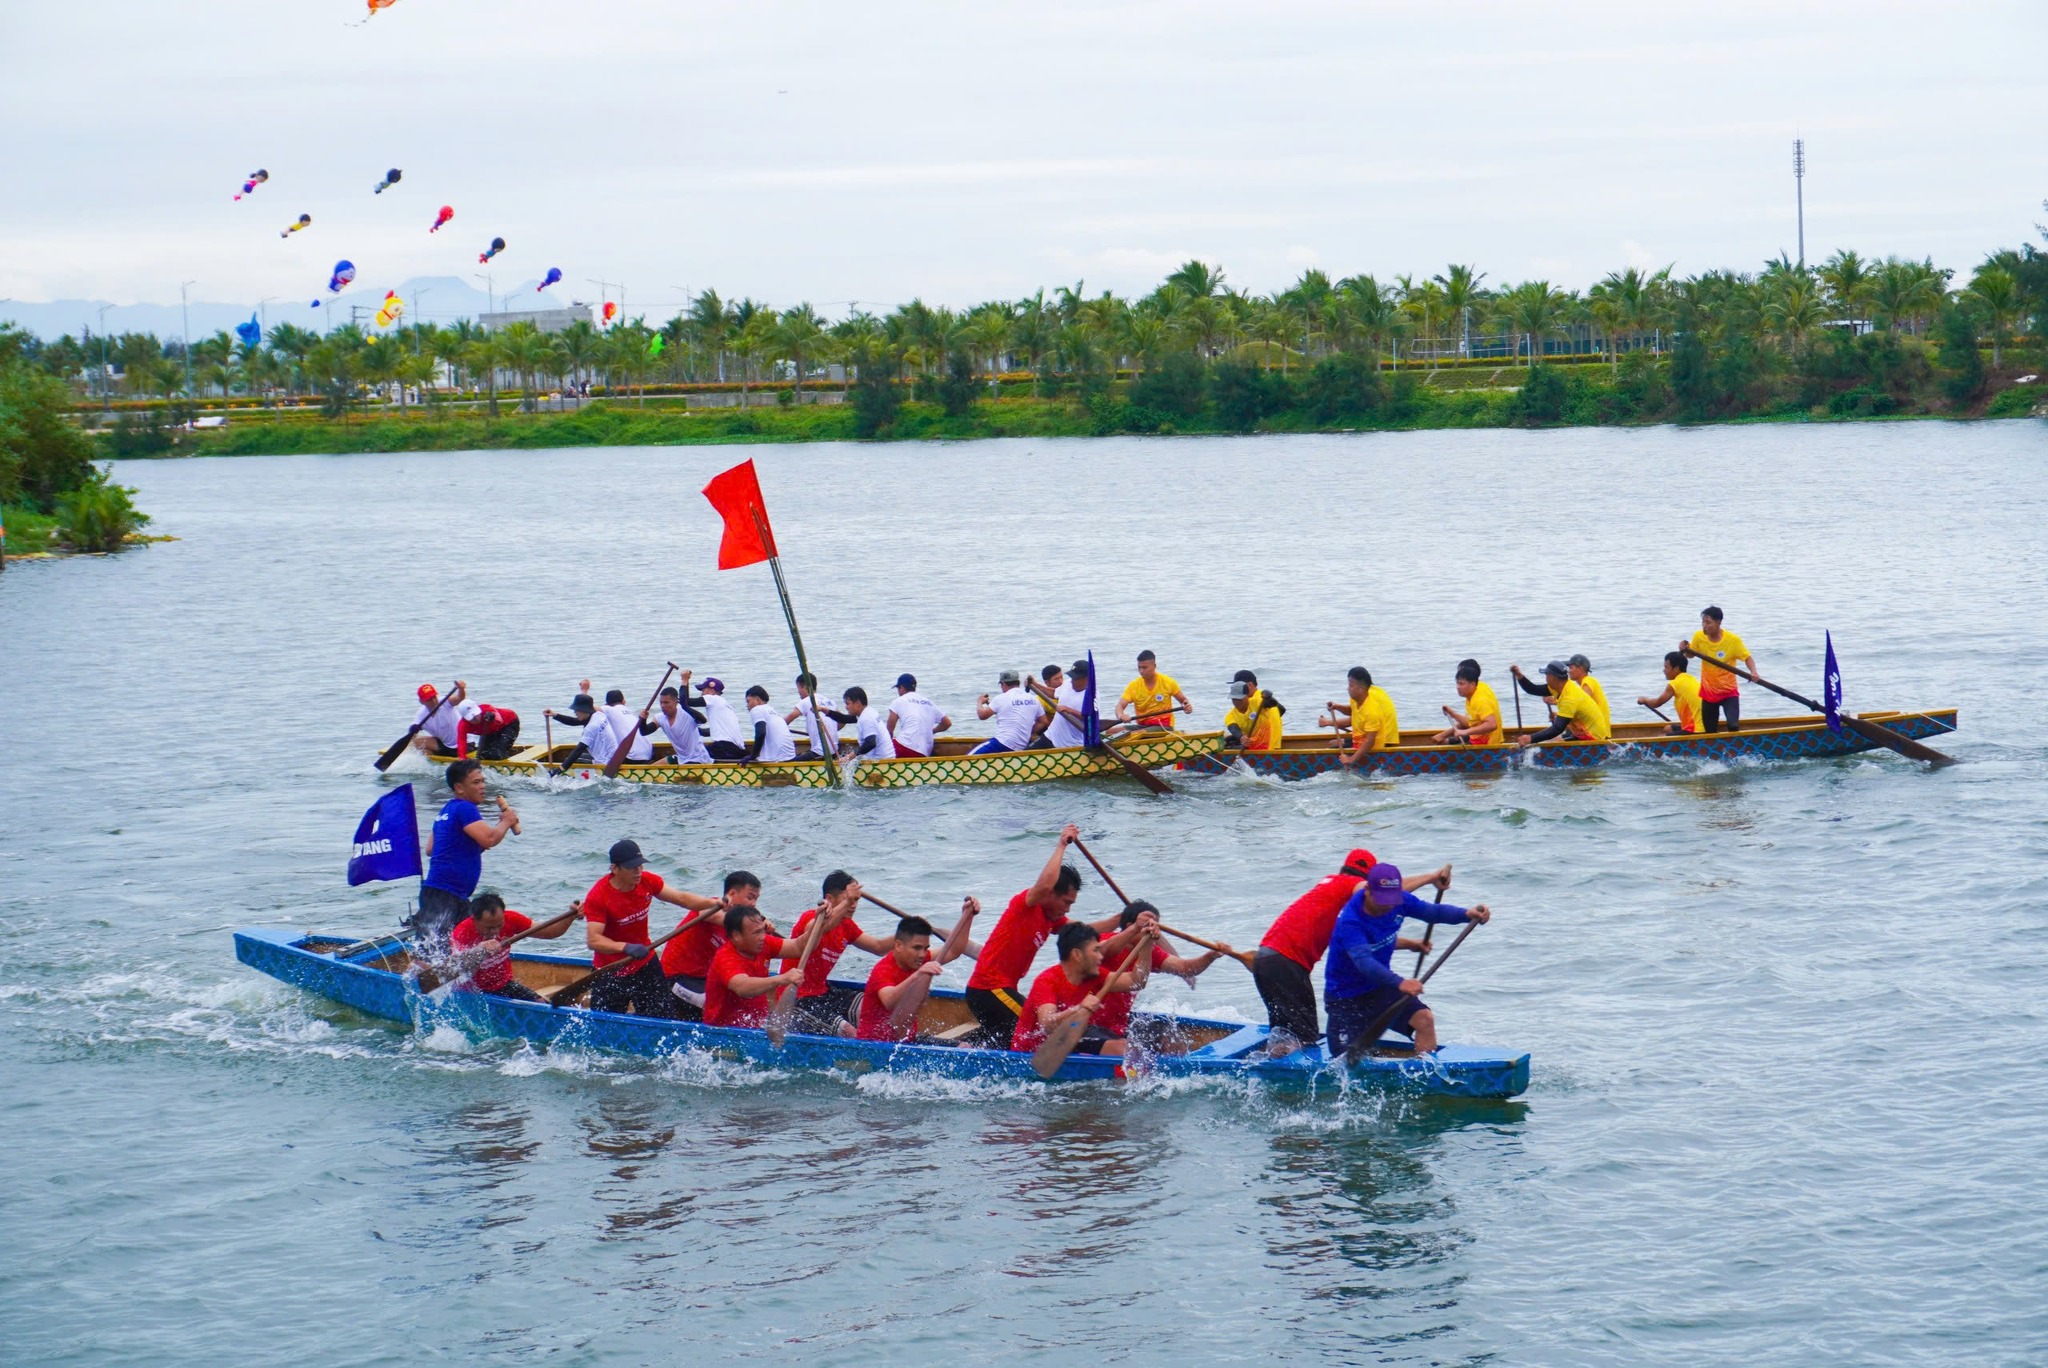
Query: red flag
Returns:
{"type": "Point", "coordinates": [736, 494]}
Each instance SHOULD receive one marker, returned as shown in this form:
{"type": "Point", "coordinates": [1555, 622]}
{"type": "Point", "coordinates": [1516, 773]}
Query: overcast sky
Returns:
{"type": "Point", "coordinates": [874, 151]}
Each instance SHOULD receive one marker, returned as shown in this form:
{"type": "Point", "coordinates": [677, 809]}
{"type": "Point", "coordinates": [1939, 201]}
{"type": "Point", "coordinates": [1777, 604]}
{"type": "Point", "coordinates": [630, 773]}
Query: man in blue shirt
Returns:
{"type": "Point", "coordinates": [1360, 982]}
{"type": "Point", "coordinates": [455, 851]}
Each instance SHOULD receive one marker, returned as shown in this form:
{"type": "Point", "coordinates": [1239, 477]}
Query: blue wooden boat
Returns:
{"type": "Point", "coordinates": [374, 981]}
{"type": "Point", "coordinates": [1304, 755]}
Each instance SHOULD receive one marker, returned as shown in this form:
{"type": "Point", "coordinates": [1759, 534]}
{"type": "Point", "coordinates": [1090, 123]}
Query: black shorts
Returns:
{"type": "Point", "coordinates": [726, 750]}
{"type": "Point", "coordinates": [997, 1010]}
{"type": "Point", "coordinates": [438, 912]}
{"type": "Point", "coordinates": [1712, 710]}
{"type": "Point", "coordinates": [645, 990]}
{"type": "Point", "coordinates": [516, 990]}
{"type": "Point", "coordinates": [821, 1014]}
{"type": "Point", "coordinates": [688, 994]}
{"type": "Point", "coordinates": [500, 744]}
{"type": "Point", "coordinates": [1351, 1017]}
{"type": "Point", "coordinates": [1289, 993]}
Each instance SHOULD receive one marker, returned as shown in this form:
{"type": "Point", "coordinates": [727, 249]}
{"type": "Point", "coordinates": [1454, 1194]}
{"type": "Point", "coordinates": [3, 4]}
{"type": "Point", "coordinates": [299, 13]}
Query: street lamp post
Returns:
{"type": "Point", "coordinates": [185, 316]}
{"type": "Point", "coordinates": [106, 400]}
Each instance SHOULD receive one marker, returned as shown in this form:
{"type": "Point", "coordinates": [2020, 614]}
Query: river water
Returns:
{"type": "Point", "coordinates": [1786, 1019]}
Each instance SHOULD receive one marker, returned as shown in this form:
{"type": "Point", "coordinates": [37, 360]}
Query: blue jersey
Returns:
{"type": "Point", "coordinates": [458, 861]}
{"type": "Point", "coordinates": [1362, 946]}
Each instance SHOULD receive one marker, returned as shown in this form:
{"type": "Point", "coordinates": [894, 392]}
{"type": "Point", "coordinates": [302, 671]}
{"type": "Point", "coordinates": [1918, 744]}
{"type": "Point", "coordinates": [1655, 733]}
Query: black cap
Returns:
{"type": "Point", "coordinates": [627, 853]}
{"type": "Point", "coordinates": [582, 704]}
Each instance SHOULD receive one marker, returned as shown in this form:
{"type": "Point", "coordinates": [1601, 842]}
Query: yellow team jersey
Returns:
{"type": "Point", "coordinates": [1375, 713]}
{"type": "Point", "coordinates": [1265, 734]}
{"type": "Point", "coordinates": [1577, 707]}
{"type": "Point", "coordinates": [1592, 686]}
{"type": "Point", "coordinates": [1482, 704]}
{"type": "Point", "coordinates": [1155, 700]}
{"type": "Point", "coordinates": [1716, 682]}
{"type": "Point", "coordinates": [1685, 701]}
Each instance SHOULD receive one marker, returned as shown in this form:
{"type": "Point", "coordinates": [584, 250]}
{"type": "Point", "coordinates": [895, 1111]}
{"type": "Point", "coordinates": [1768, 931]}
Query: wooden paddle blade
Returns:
{"type": "Point", "coordinates": [574, 989]}
{"type": "Point", "coordinates": [1891, 740]}
{"type": "Point", "coordinates": [779, 1015]}
{"type": "Point", "coordinates": [427, 981]}
{"type": "Point", "coordinates": [396, 749]}
{"type": "Point", "coordinates": [1060, 1041]}
{"type": "Point", "coordinates": [1138, 771]}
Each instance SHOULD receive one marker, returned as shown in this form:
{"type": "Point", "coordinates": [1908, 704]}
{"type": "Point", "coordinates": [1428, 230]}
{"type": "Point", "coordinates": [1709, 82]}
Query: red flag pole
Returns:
{"type": "Point", "coordinates": [796, 639]}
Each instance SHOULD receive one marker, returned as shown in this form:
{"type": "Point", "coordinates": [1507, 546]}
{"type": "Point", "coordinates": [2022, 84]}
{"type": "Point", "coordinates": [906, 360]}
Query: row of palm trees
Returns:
{"type": "Point", "coordinates": [1408, 320]}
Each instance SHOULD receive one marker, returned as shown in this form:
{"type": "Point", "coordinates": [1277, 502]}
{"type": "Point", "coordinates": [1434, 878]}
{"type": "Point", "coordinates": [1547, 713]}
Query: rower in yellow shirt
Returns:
{"type": "Point", "coordinates": [1682, 690]}
{"type": "Point", "coordinates": [1582, 675]}
{"type": "Point", "coordinates": [1374, 724]}
{"type": "Point", "coordinates": [1720, 691]}
{"type": "Point", "coordinates": [1575, 711]}
{"type": "Point", "coordinates": [1255, 718]}
{"type": "Point", "coordinates": [1479, 724]}
{"type": "Point", "coordinates": [1152, 696]}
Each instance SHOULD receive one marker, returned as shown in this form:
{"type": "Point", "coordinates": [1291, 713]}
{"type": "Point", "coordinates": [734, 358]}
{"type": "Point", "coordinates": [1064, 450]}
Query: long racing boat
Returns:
{"type": "Point", "coordinates": [374, 980]}
{"type": "Point", "coordinates": [1305, 755]}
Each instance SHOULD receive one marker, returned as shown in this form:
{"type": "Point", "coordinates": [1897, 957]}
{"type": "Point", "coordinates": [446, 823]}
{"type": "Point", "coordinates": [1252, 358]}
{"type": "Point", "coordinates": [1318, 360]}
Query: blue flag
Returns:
{"type": "Point", "coordinates": [1091, 725]}
{"type": "Point", "coordinates": [1831, 688]}
{"type": "Point", "coordinates": [251, 332]}
{"type": "Point", "coordinates": [387, 840]}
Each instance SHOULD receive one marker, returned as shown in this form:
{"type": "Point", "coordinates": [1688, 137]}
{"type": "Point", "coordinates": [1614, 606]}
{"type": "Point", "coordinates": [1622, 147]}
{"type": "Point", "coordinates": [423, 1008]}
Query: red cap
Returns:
{"type": "Point", "coordinates": [427, 693]}
{"type": "Point", "coordinates": [1359, 863]}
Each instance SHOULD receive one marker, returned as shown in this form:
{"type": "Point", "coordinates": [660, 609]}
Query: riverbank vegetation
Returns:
{"type": "Point", "coordinates": [52, 494]}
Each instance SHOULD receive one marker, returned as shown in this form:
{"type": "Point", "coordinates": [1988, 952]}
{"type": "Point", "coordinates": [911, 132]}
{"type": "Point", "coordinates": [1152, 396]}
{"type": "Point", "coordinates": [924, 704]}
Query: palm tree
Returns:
{"type": "Point", "coordinates": [1197, 280]}
{"type": "Point", "coordinates": [862, 341]}
{"type": "Point", "coordinates": [1847, 278]}
{"type": "Point", "coordinates": [578, 347]}
{"type": "Point", "coordinates": [1994, 295]}
{"type": "Point", "coordinates": [1462, 293]}
{"type": "Point", "coordinates": [1365, 310]}
{"type": "Point", "coordinates": [711, 326]}
{"type": "Point", "coordinates": [1903, 292]}
{"type": "Point", "coordinates": [1794, 309]}
{"type": "Point", "coordinates": [799, 336]}
{"type": "Point", "coordinates": [752, 341]}
{"type": "Point", "coordinates": [988, 334]}
{"type": "Point", "coordinates": [1537, 312]}
{"type": "Point", "coordinates": [522, 350]}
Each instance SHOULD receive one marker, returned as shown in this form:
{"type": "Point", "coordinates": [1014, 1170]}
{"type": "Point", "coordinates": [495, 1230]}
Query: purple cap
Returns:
{"type": "Point", "coordinates": [715, 684]}
{"type": "Point", "coordinates": [1383, 886]}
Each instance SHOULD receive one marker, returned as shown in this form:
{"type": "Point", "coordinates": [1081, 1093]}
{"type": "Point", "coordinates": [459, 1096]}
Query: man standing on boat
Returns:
{"type": "Point", "coordinates": [1284, 967]}
{"type": "Point", "coordinates": [679, 724]}
{"type": "Point", "coordinates": [1017, 715]}
{"type": "Point", "coordinates": [1720, 691]}
{"type": "Point", "coordinates": [1360, 982]}
{"type": "Point", "coordinates": [1479, 724]}
{"type": "Point", "coordinates": [686, 959]}
{"type": "Point", "coordinates": [914, 721]}
{"type": "Point", "coordinates": [615, 929]}
{"type": "Point", "coordinates": [455, 856]}
{"type": "Point", "coordinates": [1682, 691]}
{"type": "Point", "coordinates": [479, 950]}
{"type": "Point", "coordinates": [1572, 709]}
{"type": "Point", "coordinates": [1033, 915]}
{"type": "Point", "coordinates": [1152, 698]}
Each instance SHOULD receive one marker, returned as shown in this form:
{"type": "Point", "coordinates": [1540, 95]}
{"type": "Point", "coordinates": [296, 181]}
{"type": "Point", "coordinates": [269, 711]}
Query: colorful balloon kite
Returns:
{"type": "Point", "coordinates": [256, 178]}
{"type": "Point", "coordinates": [446, 213]}
{"type": "Point", "coordinates": [344, 272]}
{"type": "Point", "coordinates": [251, 332]}
{"type": "Point", "coordinates": [654, 345]}
{"type": "Point", "coordinates": [391, 310]}
{"type": "Point", "coordinates": [497, 246]}
{"type": "Point", "coordinates": [305, 221]}
{"type": "Point", "coordinates": [390, 179]}
{"type": "Point", "coordinates": [376, 5]}
{"type": "Point", "coordinates": [611, 311]}
{"type": "Point", "coordinates": [554, 274]}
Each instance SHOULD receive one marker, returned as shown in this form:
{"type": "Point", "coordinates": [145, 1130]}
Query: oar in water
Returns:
{"type": "Point", "coordinates": [1061, 1039]}
{"type": "Point", "coordinates": [1869, 731]}
{"type": "Point", "coordinates": [429, 980]}
{"type": "Point", "coordinates": [1371, 1035]}
{"type": "Point", "coordinates": [1243, 957]}
{"type": "Point", "coordinates": [1131, 767]}
{"type": "Point", "coordinates": [397, 748]}
{"type": "Point", "coordinates": [611, 766]}
{"type": "Point", "coordinates": [784, 1006]}
{"type": "Point", "coordinates": [576, 988]}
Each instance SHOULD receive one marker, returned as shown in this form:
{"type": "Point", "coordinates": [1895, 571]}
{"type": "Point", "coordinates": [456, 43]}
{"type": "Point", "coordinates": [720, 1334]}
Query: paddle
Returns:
{"type": "Point", "coordinates": [784, 1007]}
{"type": "Point", "coordinates": [1429, 934]}
{"type": "Point", "coordinates": [351, 951]}
{"type": "Point", "coordinates": [1061, 1039]}
{"type": "Point", "coordinates": [1371, 1035]}
{"type": "Point", "coordinates": [397, 748]}
{"type": "Point", "coordinates": [611, 766]}
{"type": "Point", "coordinates": [1657, 710]}
{"type": "Point", "coordinates": [912, 998]}
{"type": "Point", "coordinates": [1131, 767]}
{"type": "Point", "coordinates": [576, 988]}
{"type": "Point", "coordinates": [428, 980]}
{"type": "Point", "coordinates": [1869, 731]}
{"type": "Point", "coordinates": [1243, 957]}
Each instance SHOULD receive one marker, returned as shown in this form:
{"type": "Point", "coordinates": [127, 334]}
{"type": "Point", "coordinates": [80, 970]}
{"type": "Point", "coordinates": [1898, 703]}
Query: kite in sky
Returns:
{"type": "Point", "coordinates": [611, 311]}
{"type": "Point", "coordinates": [305, 221]}
{"type": "Point", "coordinates": [344, 272]}
{"type": "Point", "coordinates": [390, 179]}
{"type": "Point", "coordinates": [251, 332]}
{"type": "Point", "coordinates": [497, 246]}
{"type": "Point", "coordinates": [447, 212]}
{"type": "Point", "coordinates": [376, 5]}
{"type": "Point", "coordinates": [554, 274]}
{"type": "Point", "coordinates": [391, 310]}
{"type": "Point", "coordinates": [256, 178]}
{"type": "Point", "coordinates": [654, 346]}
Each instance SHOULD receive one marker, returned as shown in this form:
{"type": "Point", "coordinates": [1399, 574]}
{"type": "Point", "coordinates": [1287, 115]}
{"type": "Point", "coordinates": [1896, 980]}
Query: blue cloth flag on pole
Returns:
{"type": "Point", "coordinates": [1091, 724]}
{"type": "Point", "coordinates": [1831, 689]}
{"type": "Point", "coordinates": [387, 840]}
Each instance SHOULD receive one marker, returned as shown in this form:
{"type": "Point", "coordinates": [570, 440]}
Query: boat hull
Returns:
{"type": "Point", "coordinates": [371, 982]}
{"type": "Point", "coordinates": [1771, 738]}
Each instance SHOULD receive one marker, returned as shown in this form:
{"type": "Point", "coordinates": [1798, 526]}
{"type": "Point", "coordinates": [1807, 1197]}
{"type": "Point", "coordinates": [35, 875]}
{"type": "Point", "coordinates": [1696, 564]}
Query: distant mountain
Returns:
{"type": "Point", "coordinates": [439, 299]}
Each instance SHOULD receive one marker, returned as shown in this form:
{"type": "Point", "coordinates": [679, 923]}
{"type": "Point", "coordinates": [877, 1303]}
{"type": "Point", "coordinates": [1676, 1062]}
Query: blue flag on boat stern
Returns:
{"type": "Point", "coordinates": [1831, 688]}
{"type": "Point", "coordinates": [1091, 725]}
{"type": "Point", "coordinates": [387, 840]}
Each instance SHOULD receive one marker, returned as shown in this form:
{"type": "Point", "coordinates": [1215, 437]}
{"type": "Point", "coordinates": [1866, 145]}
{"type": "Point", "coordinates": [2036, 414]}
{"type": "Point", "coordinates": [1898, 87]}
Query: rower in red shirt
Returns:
{"type": "Point", "coordinates": [1114, 1015]}
{"type": "Point", "coordinates": [496, 730]}
{"type": "Point", "coordinates": [740, 988]}
{"type": "Point", "coordinates": [1033, 915]}
{"type": "Point", "coordinates": [1076, 984]}
{"type": "Point", "coordinates": [824, 1007]}
{"type": "Point", "coordinates": [903, 978]}
{"type": "Point", "coordinates": [1295, 943]}
{"type": "Point", "coordinates": [478, 943]}
{"type": "Point", "coordinates": [615, 929]}
{"type": "Point", "coordinates": [686, 960]}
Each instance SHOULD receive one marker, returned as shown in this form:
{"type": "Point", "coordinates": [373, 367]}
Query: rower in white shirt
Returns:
{"type": "Point", "coordinates": [772, 740]}
{"type": "Point", "coordinates": [437, 728]}
{"type": "Point", "coordinates": [615, 723]}
{"type": "Point", "coordinates": [583, 713]}
{"type": "Point", "coordinates": [822, 733]}
{"type": "Point", "coordinates": [1065, 727]}
{"type": "Point", "coordinates": [871, 736]}
{"type": "Point", "coordinates": [1017, 716]}
{"type": "Point", "coordinates": [728, 738]}
{"type": "Point", "coordinates": [679, 724]}
{"type": "Point", "coordinates": [914, 721]}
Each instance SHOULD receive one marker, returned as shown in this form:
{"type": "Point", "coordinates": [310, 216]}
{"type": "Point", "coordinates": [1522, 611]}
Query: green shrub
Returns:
{"type": "Point", "coordinates": [139, 434]}
{"type": "Point", "coordinates": [1173, 386]}
{"type": "Point", "coordinates": [1865, 401]}
{"type": "Point", "coordinates": [2017, 401]}
{"type": "Point", "coordinates": [99, 515]}
{"type": "Point", "coordinates": [959, 389]}
{"type": "Point", "coordinates": [876, 400]}
{"type": "Point", "coordinates": [1956, 342]}
{"type": "Point", "coordinates": [1246, 395]}
{"type": "Point", "coordinates": [42, 453]}
{"type": "Point", "coordinates": [1342, 388]}
{"type": "Point", "coordinates": [1541, 399]}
